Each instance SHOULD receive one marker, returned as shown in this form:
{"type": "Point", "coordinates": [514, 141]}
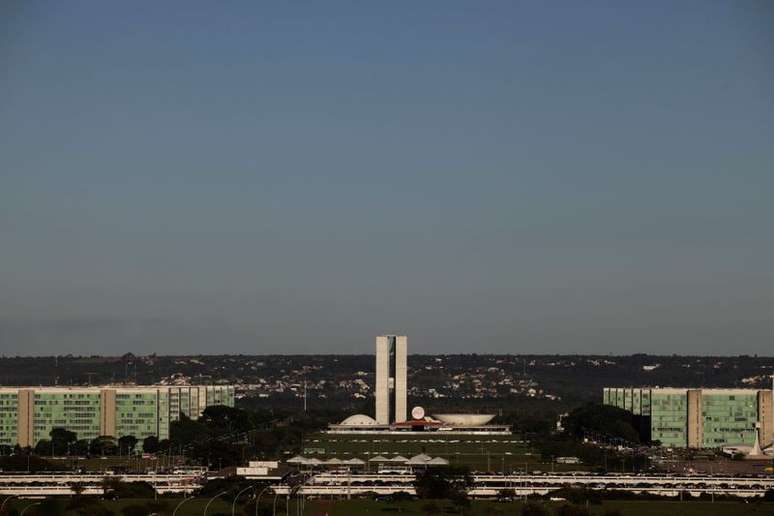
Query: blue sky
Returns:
{"type": "Point", "coordinates": [581, 177]}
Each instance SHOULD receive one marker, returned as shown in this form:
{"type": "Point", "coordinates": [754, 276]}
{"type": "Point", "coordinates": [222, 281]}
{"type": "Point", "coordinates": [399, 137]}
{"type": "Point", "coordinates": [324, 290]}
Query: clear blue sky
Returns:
{"type": "Point", "coordinates": [184, 177]}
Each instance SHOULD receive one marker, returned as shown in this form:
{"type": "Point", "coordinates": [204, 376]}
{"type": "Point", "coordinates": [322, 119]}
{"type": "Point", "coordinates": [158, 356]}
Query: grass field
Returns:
{"type": "Point", "coordinates": [479, 452]}
{"type": "Point", "coordinates": [196, 507]}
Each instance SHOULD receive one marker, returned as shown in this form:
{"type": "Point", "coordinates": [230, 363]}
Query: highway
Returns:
{"type": "Point", "coordinates": [23, 484]}
{"type": "Point", "coordinates": [490, 485]}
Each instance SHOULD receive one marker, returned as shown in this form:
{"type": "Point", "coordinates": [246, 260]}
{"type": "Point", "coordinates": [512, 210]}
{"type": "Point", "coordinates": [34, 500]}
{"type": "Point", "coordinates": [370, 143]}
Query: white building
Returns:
{"type": "Point", "coordinates": [391, 378]}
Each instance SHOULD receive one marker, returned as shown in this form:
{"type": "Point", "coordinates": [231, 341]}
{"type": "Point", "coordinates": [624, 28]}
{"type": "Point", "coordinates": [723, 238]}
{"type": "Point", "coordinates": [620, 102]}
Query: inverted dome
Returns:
{"type": "Point", "coordinates": [359, 420]}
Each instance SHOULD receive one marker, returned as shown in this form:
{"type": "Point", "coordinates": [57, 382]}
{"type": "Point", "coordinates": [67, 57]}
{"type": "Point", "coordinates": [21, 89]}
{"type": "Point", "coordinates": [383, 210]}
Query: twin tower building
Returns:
{"type": "Point", "coordinates": [391, 376]}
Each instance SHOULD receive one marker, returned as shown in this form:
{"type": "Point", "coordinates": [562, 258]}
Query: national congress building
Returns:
{"type": "Point", "coordinates": [28, 414]}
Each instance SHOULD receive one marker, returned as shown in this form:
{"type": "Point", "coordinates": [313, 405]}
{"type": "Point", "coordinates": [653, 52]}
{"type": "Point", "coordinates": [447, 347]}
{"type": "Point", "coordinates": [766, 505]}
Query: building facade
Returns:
{"type": "Point", "coordinates": [28, 414]}
{"type": "Point", "coordinates": [699, 418]}
{"type": "Point", "coordinates": [391, 378]}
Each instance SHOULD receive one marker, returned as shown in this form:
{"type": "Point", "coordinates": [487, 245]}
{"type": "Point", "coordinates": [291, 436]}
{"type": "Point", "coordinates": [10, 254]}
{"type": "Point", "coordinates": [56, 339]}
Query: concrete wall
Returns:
{"type": "Point", "coordinates": [695, 419]}
{"type": "Point", "coordinates": [766, 417]}
{"type": "Point", "coordinates": [107, 412]}
{"type": "Point", "coordinates": [401, 380]}
{"type": "Point", "coordinates": [26, 406]}
{"type": "Point", "coordinates": [382, 389]}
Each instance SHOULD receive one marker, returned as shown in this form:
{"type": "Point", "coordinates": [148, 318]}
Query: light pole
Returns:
{"type": "Point", "coordinates": [25, 509]}
{"type": "Point", "coordinates": [2, 505]}
{"type": "Point", "coordinates": [212, 500]}
{"type": "Point", "coordinates": [181, 503]}
{"type": "Point", "coordinates": [258, 498]}
{"type": "Point", "coordinates": [300, 493]}
{"type": "Point", "coordinates": [274, 506]}
{"type": "Point", "coordinates": [233, 504]}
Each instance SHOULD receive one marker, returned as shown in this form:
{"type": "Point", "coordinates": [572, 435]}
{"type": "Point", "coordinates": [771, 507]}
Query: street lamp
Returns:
{"type": "Point", "coordinates": [299, 492]}
{"type": "Point", "coordinates": [212, 500]}
{"type": "Point", "coordinates": [2, 505]}
{"type": "Point", "coordinates": [25, 509]}
{"type": "Point", "coordinates": [181, 503]}
{"type": "Point", "coordinates": [274, 506]}
{"type": "Point", "coordinates": [233, 505]}
{"type": "Point", "coordinates": [258, 498]}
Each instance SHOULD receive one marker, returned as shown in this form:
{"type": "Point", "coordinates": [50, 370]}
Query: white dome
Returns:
{"type": "Point", "coordinates": [359, 420]}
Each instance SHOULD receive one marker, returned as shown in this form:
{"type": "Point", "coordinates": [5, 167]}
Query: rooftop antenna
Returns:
{"type": "Point", "coordinates": [304, 394]}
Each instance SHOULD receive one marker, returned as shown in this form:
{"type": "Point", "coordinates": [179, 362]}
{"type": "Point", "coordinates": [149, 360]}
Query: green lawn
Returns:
{"type": "Point", "coordinates": [480, 452]}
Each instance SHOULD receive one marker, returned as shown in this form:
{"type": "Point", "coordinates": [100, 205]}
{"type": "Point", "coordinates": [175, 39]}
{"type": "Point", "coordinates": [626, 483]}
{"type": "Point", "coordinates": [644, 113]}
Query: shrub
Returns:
{"type": "Point", "coordinates": [534, 509]}
{"type": "Point", "coordinates": [134, 510]}
{"type": "Point", "coordinates": [572, 510]}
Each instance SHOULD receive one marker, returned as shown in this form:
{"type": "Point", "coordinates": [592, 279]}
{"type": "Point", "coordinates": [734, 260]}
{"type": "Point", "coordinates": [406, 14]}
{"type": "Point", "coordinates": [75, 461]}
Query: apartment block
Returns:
{"type": "Point", "coordinates": [28, 414]}
{"type": "Point", "coordinates": [699, 418]}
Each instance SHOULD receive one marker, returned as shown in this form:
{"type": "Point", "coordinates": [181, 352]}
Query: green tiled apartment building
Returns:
{"type": "Point", "coordinates": [28, 414]}
{"type": "Point", "coordinates": [699, 418]}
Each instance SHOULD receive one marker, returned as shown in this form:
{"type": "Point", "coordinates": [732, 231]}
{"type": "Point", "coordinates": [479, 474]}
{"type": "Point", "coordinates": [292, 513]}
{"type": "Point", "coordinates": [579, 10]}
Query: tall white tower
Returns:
{"type": "Point", "coordinates": [401, 374]}
{"type": "Point", "coordinates": [391, 378]}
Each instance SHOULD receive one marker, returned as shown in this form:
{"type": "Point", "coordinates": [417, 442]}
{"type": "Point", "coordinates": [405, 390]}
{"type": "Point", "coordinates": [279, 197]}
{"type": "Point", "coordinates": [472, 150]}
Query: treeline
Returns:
{"type": "Point", "coordinates": [222, 436]}
{"type": "Point", "coordinates": [592, 421]}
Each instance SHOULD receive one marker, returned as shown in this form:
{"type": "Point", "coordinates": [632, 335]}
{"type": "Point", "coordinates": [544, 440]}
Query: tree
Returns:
{"type": "Point", "coordinates": [186, 431]}
{"type": "Point", "coordinates": [150, 444]}
{"type": "Point", "coordinates": [220, 420]}
{"type": "Point", "coordinates": [43, 447]}
{"type": "Point", "coordinates": [62, 439]}
{"type": "Point", "coordinates": [80, 447]}
{"type": "Point", "coordinates": [25, 461]}
{"type": "Point", "coordinates": [103, 445]}
{"type": "Point", "coordinates": [216, 454]}
{"type": "Point", "coordinates": [605, 420]}
{"type": "Point", "coordinates": [110, 485]}
{"type": "Point", "coordinates": [127, 442]}
{"type": "Point", "coordinates": [444, 483]}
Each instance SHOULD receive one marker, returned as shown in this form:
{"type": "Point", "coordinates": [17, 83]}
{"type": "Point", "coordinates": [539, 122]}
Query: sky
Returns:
{"type": "Point", "coordinates": [298, 177]}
